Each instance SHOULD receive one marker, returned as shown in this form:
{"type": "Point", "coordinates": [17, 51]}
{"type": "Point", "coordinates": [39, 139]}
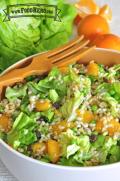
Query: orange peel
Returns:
{"type": "Point", "coordinates": [106, 12]}
{"type": "Point", "coordinates": [87, 7]}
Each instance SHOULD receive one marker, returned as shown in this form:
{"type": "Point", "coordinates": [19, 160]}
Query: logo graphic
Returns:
{"type": "Point", "coordinates": [32, 10]}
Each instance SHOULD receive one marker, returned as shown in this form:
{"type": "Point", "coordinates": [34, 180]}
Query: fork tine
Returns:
{"type": "Point", "coordinates": [74, 57]}
{"type": "Point", "coordinates": [70, 52]}
{"type": "Point", "coordinates": [57, 51]}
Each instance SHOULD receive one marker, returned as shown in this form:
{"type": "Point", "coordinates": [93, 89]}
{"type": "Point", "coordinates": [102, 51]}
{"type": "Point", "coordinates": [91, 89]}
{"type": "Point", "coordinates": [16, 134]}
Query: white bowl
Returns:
{"type": "Point", "coordinates": [28, 169]}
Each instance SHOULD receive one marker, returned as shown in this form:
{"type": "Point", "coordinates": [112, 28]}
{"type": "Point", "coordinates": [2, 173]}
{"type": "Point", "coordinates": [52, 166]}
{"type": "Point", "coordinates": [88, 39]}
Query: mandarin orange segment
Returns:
{"type": "Point", "coordinates": [99, 126]}
{"type": "Point", "coordinates": [38, 148]}
{"type": "Point", "coordinates": [106, 12]}
{"type": "Point", "coordinates": [86, 7]}
{"type": "Point", "coordinates": [62, 126]}
{"type": "Point", "coordinates": [59, 127]}
{"type": "Point", "coordinates": [53, 150]}
{"type": "Point", "coordinates": [114, 127]}
{"type": "Point", "coordinates": [42, 105]}
{"type": "Point", "coordinates": [64, 69]}
{"type": "Point", "coordinates": [5, 123]}
{"type": "Point", "coordinates": [87, 116]}
{"type": "Point", "coordinates": [92, 69]}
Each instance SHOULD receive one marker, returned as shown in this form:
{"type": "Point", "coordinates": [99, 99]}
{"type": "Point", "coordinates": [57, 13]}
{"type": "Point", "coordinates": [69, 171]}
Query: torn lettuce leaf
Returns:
{"type": "Point", "coordinates": [53, 81]}
{"type": "Point", "coordinates": [82, 156]}
{"type": "Point", "coordinates": [22, 132]}
{"type": "Point", "coordinates": [49, 114]}
{"type": "Point", "coordinates": [76, 146]}
{"type": "Point", "coordinates": [69, 162]}
{"type": "Point", "coordinates": [54, 97]}
{"type": "Point", "coordinates": [69, 108]}
{"type": "Point", "coordinates": [112, 102]}
{"type": "Point", "coordinates": [13, 93]}
{"type": "Point", "coordinates": [114, 154]}
{"type": "Point", "coordinates": [72, 149]}
{"type": "Point", "coordinates": [112, 71]}
{"type": "Point", "coordinates": [112, 88]}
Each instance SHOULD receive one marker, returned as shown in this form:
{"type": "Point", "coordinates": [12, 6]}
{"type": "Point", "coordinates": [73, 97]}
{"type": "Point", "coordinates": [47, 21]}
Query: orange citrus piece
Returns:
{"type": "Point", "coordinates": [99, 126]}
{"type": "Point", "coordinates": [64, 69]}
{"type": "Point", "coordinates": [86, 7]}
{"type": "Point", "coordinates": [53, 150]}
{"type": "Point", "coordinates": [106, 12]}
{"type": "Point", "coordinates": [42, 105]}
{"type": "Point", "coordinates": [92, 69]}
{"type": "Point", "coordinates": [87, 116]}
{"type": "Point", "coordinates": [5, 123]}
{"type": "Point", "coordinates": [62, 126]}
{"type": "Point", "coordinates": [109, 41]}
{"type": "Point", "coordinates": [38, 148]}
{"type": "Point", "coordinates": [114, 127]}
{"type": "Point", "coordinates": [93, 25]}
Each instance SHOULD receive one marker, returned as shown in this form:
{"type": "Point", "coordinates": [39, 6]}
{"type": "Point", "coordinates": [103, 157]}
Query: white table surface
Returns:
{"type": "Point", "coordinates": [5, 175]}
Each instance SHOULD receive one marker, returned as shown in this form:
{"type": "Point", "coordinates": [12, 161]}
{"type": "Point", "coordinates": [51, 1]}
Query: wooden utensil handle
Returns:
{"type": "Point", "coordinates": [18, 75]}
{"type": "Point", "coordinates": [38, 66]}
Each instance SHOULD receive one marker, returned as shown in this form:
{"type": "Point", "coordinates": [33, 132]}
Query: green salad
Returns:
{"type": "Point", "coordinates": [69, 117]}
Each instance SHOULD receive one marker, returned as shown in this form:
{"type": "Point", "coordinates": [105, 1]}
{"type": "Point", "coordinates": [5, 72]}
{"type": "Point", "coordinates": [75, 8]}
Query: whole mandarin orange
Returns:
{"type": "Point", "coordinates": [109, 41]}
{"type": "Point", "coordinates": [93, 25]}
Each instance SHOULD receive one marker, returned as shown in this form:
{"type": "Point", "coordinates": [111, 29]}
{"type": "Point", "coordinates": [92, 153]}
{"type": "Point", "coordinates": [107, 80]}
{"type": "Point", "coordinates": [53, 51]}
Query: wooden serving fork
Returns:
{"type": "Point", "coordinates": [69, 53]}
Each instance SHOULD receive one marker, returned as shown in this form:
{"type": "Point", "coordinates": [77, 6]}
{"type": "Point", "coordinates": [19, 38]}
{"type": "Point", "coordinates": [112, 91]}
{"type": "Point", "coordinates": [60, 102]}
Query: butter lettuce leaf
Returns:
{"type": "Point", "coordinates": [22, 37]}
{"type": "Point", "coordinates": [76, 146]}
{"type": "Point", "coordinates": [13, 93]}
{"type": "Point", "coordinates": [22, 132]}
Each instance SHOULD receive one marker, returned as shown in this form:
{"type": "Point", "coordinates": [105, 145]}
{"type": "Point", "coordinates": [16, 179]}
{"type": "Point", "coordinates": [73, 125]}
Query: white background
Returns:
{"type": "Point", "coordinates": [115, 28]}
